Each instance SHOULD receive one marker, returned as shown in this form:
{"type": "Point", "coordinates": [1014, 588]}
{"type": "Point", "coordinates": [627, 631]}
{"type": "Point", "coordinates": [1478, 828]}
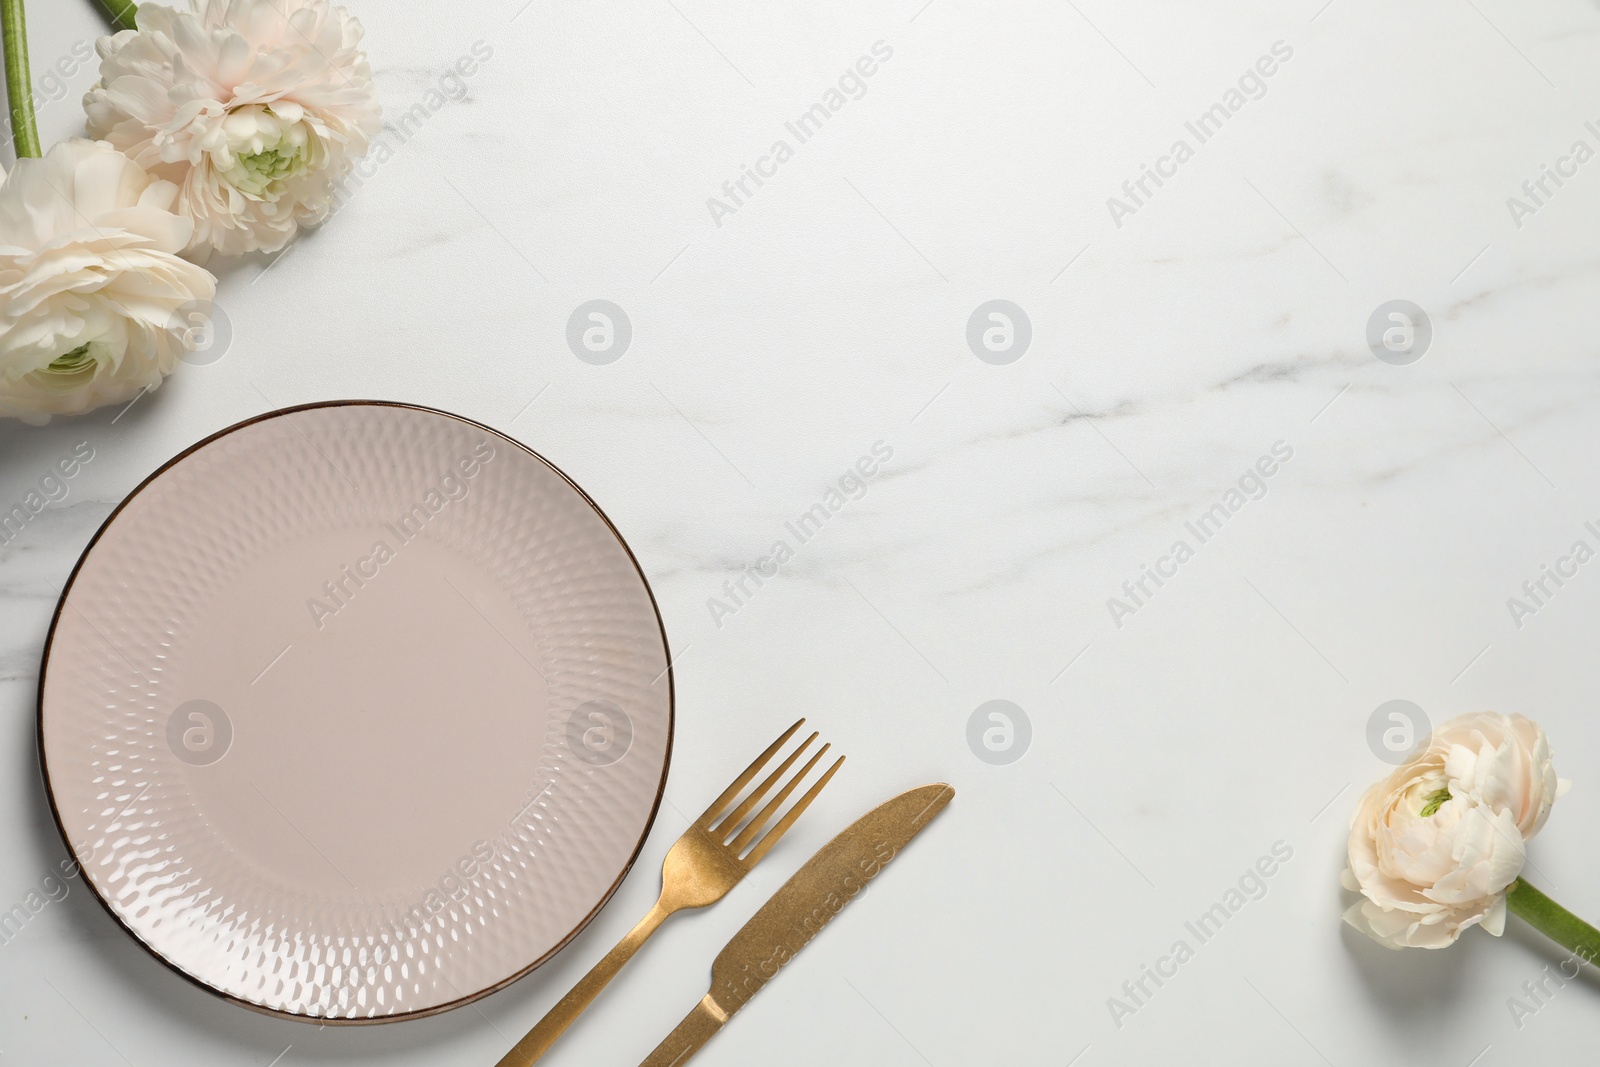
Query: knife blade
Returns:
{"type": "Point", "coordinates": [806, 903]}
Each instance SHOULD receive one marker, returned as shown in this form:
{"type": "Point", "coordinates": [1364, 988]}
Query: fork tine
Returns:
{"type": "Point", "coordinates": [731, 823]}
{"type": "Point", "coordinates": [757, 824]}
{"type": "Point", "coordinates": [765, 844]}
{"type": "Point", "coordinates": [721, 803]}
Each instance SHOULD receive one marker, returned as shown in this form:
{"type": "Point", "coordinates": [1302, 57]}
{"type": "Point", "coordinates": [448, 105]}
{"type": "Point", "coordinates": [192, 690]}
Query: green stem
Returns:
{"type": "Point", "coordinates": [19, 83]}
{"type": "Point", "coordinates": [122, 13]}
{"type": "Point", "coordinates": [1553, 921]}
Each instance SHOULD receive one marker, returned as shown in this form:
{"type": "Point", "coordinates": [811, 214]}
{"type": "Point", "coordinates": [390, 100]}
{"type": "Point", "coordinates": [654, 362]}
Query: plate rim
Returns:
{"type": "Point", "coordinates": [420, 1013]}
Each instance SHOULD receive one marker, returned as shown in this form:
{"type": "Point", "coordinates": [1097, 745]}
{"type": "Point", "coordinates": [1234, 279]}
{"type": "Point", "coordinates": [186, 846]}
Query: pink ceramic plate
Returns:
{"type": "Point", "coordinates": [355, 712]}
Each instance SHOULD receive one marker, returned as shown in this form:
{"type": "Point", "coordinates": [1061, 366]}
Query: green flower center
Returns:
{"type": "Point", "coordinates": [68, 371]}
{"type": "Point", "coordinates": [72, 362]}
{"type": "Point", "coordinates": [1434, 801]}
{"type": "Point", "coordinates": [258, 171]}
{"type": "Point", "coordinates": [264, 150]}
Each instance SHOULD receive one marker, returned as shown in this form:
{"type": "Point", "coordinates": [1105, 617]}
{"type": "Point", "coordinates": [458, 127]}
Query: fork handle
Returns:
{"type": "Point", "coordinates": [538, 1041]}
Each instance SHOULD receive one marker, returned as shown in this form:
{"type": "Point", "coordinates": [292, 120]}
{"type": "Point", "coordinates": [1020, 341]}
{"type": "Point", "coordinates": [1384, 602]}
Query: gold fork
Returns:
{"type": "Point", "coordinates": [700, 869]}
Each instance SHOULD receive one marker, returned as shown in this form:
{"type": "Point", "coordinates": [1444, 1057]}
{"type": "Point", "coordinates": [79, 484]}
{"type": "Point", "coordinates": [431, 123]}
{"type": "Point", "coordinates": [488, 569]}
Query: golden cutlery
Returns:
{"type": "Point", "coordinates": [787, 923]}
{"type": "Point", "coordinates": [709, 859]}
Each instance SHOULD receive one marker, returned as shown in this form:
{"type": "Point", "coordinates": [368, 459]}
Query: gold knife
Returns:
{"type": "Point", "coordinates": [805, 904]}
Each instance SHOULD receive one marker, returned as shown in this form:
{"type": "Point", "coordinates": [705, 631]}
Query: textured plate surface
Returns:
{"type": "Point", "coordinates": [356, 712]}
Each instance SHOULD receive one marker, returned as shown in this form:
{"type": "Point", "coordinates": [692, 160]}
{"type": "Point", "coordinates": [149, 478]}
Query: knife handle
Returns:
{"type": "Point", "coordinates": [690, 1036]}
{"type": "Point", "coordinates": [555, 1023]}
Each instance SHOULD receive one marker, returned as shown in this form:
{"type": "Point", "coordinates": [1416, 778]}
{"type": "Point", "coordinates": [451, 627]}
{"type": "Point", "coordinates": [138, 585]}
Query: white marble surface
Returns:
{"type": "Point", "coordinates": [827, 313]}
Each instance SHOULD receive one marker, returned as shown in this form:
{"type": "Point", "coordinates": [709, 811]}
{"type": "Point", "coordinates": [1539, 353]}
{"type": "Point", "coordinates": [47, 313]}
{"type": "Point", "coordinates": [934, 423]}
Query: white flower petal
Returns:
{"type": "Point", "coordinates": [253, 109]}
{"type": "Point", "coordinates": [93, 272]}
{"type": "Point", "coordinates": [1487, 785]}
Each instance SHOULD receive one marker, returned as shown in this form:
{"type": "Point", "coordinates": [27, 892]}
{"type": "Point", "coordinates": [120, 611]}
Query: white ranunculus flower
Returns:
{"type": "Point", "coordinates": [90, 281]}
{"type": "Point", "coordinates": [255, 109]}
{"type": "Point", "coordinates": [1434, 846]}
